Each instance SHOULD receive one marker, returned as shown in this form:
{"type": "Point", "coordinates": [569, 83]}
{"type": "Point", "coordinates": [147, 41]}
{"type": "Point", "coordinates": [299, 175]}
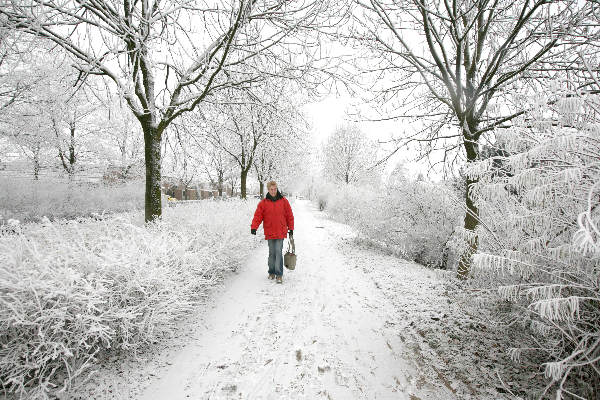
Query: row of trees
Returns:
{"type": "Point", "coordinates": [83, 127]}
{"type": "Point", "coordinates": [47, 118]}
{"type": "Point", "coordinates": [243, 80]}
{"type": "Point", "coordinates": [168, 58]}
{"type": "Point", "coordinates": [261, 134]}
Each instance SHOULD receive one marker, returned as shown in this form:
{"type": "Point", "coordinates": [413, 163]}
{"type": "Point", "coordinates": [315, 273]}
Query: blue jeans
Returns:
{"type": "Point", "coordinates": [275, 256]}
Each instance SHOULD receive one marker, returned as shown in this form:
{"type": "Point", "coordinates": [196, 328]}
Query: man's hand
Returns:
{"type": "Point", "coordinates": [253, 231]}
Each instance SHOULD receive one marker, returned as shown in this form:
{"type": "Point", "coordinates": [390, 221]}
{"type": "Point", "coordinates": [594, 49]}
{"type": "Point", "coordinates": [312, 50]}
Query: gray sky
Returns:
{"type": "Point", "coordinates": [332, 111]}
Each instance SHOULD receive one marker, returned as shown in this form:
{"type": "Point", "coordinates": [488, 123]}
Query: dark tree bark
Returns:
{"type": "Point", "coordinates": [36, 162]}
{"type": "Point", "coordinates": [67, 160]}
{"type": "Point", "coordinates": [220, 183]}
{"type": "Point", "coordinates": [152, 153]}
{"type": "Point", "coordinates": [243, 177]}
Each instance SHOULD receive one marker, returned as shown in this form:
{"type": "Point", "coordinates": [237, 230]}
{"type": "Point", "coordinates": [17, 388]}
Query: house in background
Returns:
{"type": "Point", "coordinates": [182, 192]}
{"type": "Point", "coordinates": [193, 191]}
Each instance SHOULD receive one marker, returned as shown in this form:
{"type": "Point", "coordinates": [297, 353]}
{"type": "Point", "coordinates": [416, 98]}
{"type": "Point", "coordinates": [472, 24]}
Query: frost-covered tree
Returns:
{"type": "Point", "coordinates": [53, 113]}
{"type": "Point", "coordinates": [123, 139]}
{"type": "Point", "coordinates": [182, 161]}
{"type": "Point", "coordinates": [540, 241]}
{"type": "Point", "coordinates": [70, 111]}
{"type": "Point", "coordinates": [26, 126]}
{"type": "Point", "coordinates": [240, 130]}
{"type": "Point", "coordinates": [285, 155]}
{"type": "Point", "coordinates": [16, 79]}
{"type": "Point", "coordinates": [168, 57]}
{"type": "Point", "coordinates": [265, 166]}
{"type": "Point", "coordinates": [216, 165]}
{"type": "Point", "coordinates": [296, 160]}
{"type": "Point", "coordinates": [247, 123]}
{"type": "Point", "coordinates": [444, 64]}
{"type": "Point", "coordinates": [193, 154]}
{"type": "Point", "coordinates": [348, 155]}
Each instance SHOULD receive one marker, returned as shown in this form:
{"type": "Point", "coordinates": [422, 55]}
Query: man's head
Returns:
{"type": "Point", "coordinates": [272, 188]}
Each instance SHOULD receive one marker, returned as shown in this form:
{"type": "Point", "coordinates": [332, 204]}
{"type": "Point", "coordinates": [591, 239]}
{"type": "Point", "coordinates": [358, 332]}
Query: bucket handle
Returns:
{"type": "Point", "coordinates": [292, 244]}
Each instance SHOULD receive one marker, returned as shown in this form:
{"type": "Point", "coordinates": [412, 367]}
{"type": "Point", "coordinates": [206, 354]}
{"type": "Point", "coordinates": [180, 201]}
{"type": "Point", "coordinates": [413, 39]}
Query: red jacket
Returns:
{"type": "Point", "coordinates": [277, 217]}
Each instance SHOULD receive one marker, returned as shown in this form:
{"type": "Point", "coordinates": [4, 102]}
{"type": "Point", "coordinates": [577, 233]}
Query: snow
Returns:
{"type": "Point", "coordinates": [349, 323]}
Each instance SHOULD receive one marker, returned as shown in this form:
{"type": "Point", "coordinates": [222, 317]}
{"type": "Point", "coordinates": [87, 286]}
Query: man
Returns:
{"type": "Point", "coordinates": [275, 211]}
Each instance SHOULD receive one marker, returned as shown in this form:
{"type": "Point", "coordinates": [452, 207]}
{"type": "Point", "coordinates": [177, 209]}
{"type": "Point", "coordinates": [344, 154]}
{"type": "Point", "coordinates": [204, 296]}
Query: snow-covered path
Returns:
{"type": "Point", "coordinates": [327, 332]}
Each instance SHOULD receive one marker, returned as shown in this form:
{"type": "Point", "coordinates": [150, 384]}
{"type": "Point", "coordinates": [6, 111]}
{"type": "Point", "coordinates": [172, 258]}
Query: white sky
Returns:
{"type": "Point", "coordinates": [332, 111]}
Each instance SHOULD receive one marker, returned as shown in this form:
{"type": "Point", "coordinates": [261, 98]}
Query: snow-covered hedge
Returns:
{"type": "Point", "coordinates": [413, 219]}
{"type": "Point", "coordinates": [28, 200]}
{"type": "Point", "coordinates": [540, 241]}
{"type": "Point", "coordinates": [71, 289]}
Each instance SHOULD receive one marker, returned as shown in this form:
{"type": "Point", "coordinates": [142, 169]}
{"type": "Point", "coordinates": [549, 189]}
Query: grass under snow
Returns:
{"type": "Point", "coordinates": [72, 289]}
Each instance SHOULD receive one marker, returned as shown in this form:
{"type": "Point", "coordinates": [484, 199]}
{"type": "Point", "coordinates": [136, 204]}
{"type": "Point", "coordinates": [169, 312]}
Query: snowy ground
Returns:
{"type": "Point", "coordinates": [348, 323]}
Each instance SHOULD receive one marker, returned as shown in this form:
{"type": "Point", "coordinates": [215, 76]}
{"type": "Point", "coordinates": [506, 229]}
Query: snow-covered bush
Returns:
{"type": "Point", "coordinates": [413, 219]}
{"type": "Point", "coordinates": [322, 200]}
{"type": "Point", "coordinates": [424, 215]}
{"type": "Point", "coordinates": [539, 237]}
{"type": "Point", "coordinates": [71, 289]}
{"type": "Point", "coordinates": [29, 200]}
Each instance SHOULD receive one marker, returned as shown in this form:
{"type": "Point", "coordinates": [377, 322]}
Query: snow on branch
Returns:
{"type": "Point", "coordinates": [538, 190]}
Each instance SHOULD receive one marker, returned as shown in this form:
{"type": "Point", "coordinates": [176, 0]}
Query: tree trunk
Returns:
{"type": "Point", "coordinates": [262, 188]}
{"type": "Point", "coordinates": [243, 176]}
{"type": "Point", "coordinates": [471, 216]}
{"type": "Point", "coordinates": [152, 200]}
{"type": "Point", "coordinates": [36, 164]}
{"type": "Point", "coordinates": [470, 223]}
{"type": "Point", "coordinates": [220, 185]}
{"type": "Point", "coordinates": [72, 158]}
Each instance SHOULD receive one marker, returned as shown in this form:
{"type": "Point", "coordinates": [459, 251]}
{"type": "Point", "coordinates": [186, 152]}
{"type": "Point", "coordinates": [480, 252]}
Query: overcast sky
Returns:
{"type": "Point", "coordinates": [332, 111]}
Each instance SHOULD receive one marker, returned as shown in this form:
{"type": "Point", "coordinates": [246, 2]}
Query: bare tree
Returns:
{"type": "Point", "coordinates": [282, 151]}
{"type": "Point", "coordinates": [20, 119]}
{"type": "Point", "coordinates": [290, 154]}
{"type": "Point", "coordinates": [123, 137]}
{"type": "Point", "coordinates": [212, 161]}
{"type": "Point", "coordinates": [16, 80]}
{"type": "Point", "coordinates": [182, 159]}
{"type": "Point", "coordinates": [348, 155]}
{"type": "Point", "coordinates": [29, 134]}
{"type": "Point", "coordinates": [247, 124]}
{"type": "Point", "coordinates": [69, 110]}
{"type": "Point", "coordinates": [233, 175]}
{"type": "Point", "coordinates": [455, 59]}
{"type": "Point", "coordinates": [245, 129]}
{"type": "Point", "coordinates": [265, 164]}
{"type": "Point", "coordinates": [24, 117]}
{"type": "Point", "coordinates": [216, 168]}
{"type": "Point", "coordinates": [165, 57]}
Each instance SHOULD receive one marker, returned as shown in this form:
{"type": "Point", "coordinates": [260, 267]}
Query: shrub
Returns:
{"type": "Point", "coordinates": [539, 240]}
{"type": "Point", "coordinates": [71, 289]}
{"type": "Point", "coordinates": [414, 219]}
{"type": "Point", "coordinates": [28, 200]}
